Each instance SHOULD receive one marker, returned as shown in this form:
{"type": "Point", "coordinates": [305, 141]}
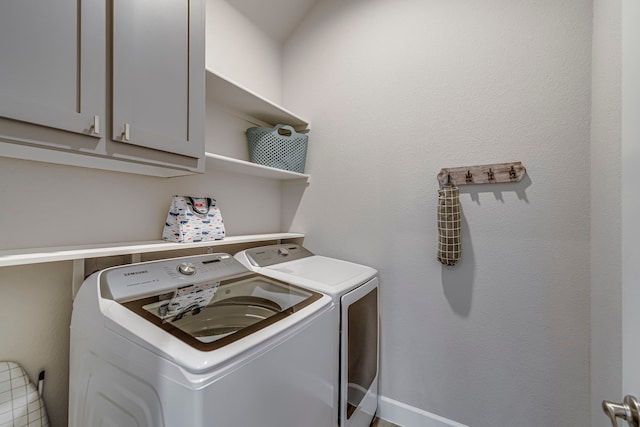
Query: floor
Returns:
{"type": "Point", "coordinates": [382, 423]}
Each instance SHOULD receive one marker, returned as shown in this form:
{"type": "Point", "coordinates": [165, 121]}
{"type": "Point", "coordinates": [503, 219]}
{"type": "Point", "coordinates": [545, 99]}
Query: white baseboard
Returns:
{"type": "Point", "coordinates": [408, 416]}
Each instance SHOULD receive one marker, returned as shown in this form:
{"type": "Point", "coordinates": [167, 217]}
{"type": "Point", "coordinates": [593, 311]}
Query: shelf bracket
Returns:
{"type": "Point", "coordinates": [77, 277]}
{"type": "Point", "coordinates": [135, 258]}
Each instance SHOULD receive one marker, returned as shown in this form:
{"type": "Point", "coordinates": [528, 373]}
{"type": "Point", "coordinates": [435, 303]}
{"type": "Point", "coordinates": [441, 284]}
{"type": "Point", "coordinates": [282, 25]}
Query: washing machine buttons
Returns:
{"type": "Point", "coordinates": [187, 268]}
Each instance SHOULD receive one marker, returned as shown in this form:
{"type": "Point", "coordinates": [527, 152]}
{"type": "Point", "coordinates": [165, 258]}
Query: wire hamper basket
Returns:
{"type": "Point", "coordinates": [278, 147]}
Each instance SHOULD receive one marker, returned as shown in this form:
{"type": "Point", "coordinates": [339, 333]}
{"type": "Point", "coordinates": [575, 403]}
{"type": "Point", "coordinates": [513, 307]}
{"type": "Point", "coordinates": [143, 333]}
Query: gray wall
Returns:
{"type": "Point", "coordinates": [396, 90]}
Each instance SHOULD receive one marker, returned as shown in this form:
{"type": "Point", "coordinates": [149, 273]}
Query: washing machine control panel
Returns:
{"type": "Point", "coordinates": [270, 255]}
{"type": "Point", "coordinates": [153, 278]}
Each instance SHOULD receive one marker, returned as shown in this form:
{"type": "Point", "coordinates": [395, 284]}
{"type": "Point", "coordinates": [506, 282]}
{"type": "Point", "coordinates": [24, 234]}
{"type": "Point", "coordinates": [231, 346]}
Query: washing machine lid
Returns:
{"type": "Point", "coordinates": [205, 301]}
{"type": "Point", "coordinates": [225, 312]}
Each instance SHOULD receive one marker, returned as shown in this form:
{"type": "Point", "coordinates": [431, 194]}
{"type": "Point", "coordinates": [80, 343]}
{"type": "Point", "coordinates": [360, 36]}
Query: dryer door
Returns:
{"type": "Point", "coordinates": [359, 350]}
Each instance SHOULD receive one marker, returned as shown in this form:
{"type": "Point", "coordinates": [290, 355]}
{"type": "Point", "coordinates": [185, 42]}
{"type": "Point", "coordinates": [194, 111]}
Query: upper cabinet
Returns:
{"type": "Point", "coordinates": [52, 70]}
{"type": "Point", "coordinates": [158, 92]}
{"type": "Point", "coordinates": [118, 87]}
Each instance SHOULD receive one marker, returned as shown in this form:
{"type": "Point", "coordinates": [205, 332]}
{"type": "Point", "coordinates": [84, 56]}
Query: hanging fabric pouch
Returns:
{"type": "Point", "coordinates": [192, 220]}
{"type": "Point", "coordinates": [449, 225]}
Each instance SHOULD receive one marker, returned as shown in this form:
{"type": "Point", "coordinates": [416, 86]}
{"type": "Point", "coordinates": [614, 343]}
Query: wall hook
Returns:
{"type": "Point", "coordinates": [483, 174]}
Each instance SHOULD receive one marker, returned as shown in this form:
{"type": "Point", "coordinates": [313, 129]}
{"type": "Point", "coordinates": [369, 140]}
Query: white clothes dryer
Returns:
{"type": "Point", "coordinates": [199, 341]}
{"type": "Point", "coordinates": [354, 288]}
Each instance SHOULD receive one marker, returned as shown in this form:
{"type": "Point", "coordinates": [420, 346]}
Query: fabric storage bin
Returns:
{"type": "Point", "coordinates": [279, 147]}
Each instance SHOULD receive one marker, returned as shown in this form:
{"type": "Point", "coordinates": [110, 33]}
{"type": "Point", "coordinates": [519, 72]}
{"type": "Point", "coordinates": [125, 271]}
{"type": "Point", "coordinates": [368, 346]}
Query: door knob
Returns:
{"type": "Point", "coordinates": [628, 410]}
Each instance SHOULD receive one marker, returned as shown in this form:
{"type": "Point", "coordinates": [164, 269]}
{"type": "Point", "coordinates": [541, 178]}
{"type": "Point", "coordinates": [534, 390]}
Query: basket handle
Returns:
{"type": "Point", "coordinates": [285, 131]}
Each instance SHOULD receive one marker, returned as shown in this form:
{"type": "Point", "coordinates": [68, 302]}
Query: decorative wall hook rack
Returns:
{"type": "Point", "coordinates": [483, 174]}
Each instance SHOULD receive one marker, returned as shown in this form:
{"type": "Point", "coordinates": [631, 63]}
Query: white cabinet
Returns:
{"type": "Point", "coordinates": [118, 87]}
{"type": "Point", "coordinates": [158, 89]}
{"type": "Point", "coordinates": [52, 66]}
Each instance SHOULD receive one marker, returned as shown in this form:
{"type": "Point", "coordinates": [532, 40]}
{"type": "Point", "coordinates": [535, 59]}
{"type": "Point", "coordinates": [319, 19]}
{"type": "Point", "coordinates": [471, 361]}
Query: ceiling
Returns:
{"type": "Point", "coordinates": [277, 18]}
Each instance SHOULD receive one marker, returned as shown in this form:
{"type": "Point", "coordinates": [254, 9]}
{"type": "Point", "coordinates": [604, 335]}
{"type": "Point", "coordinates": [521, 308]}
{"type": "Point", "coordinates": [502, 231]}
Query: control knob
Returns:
{"type": "Point", "coordinates": [187, 268]}
{"type": "Point", "coordinates": [283, 251]}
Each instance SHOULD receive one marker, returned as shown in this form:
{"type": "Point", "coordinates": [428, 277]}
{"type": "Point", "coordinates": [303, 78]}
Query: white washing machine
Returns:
{"type": "Point", "coordinates": [199, 341]}
{"type": "Point", "coordinates": [354, 288]}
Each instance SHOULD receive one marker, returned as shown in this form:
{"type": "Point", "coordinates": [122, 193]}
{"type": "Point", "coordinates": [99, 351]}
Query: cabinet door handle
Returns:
{"type": "Point", "coordinates": [95, 127]}
{"type": "Point", "coordinates": [126, 134]}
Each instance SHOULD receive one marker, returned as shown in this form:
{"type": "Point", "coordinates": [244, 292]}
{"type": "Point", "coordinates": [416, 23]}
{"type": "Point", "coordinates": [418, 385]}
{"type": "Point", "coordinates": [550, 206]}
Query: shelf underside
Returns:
{"type": "Point", "coordinates": [237, 98]}
{"type": "Point", "coordinates": [66, 253]}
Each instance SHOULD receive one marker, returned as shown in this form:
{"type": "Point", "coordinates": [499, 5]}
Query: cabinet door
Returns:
{"type": "Point", "coordinates": [52, 63]}
{"type": "Point", "coordinates": [158, 74]}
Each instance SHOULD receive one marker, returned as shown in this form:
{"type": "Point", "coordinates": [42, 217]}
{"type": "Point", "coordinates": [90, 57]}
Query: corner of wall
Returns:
{"type": "Point", "coordinates": [605, 229]}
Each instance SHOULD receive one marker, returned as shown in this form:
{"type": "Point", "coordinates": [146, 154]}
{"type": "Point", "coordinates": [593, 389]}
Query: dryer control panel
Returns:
{"type": "Point", "coordinates": [265, 256]}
